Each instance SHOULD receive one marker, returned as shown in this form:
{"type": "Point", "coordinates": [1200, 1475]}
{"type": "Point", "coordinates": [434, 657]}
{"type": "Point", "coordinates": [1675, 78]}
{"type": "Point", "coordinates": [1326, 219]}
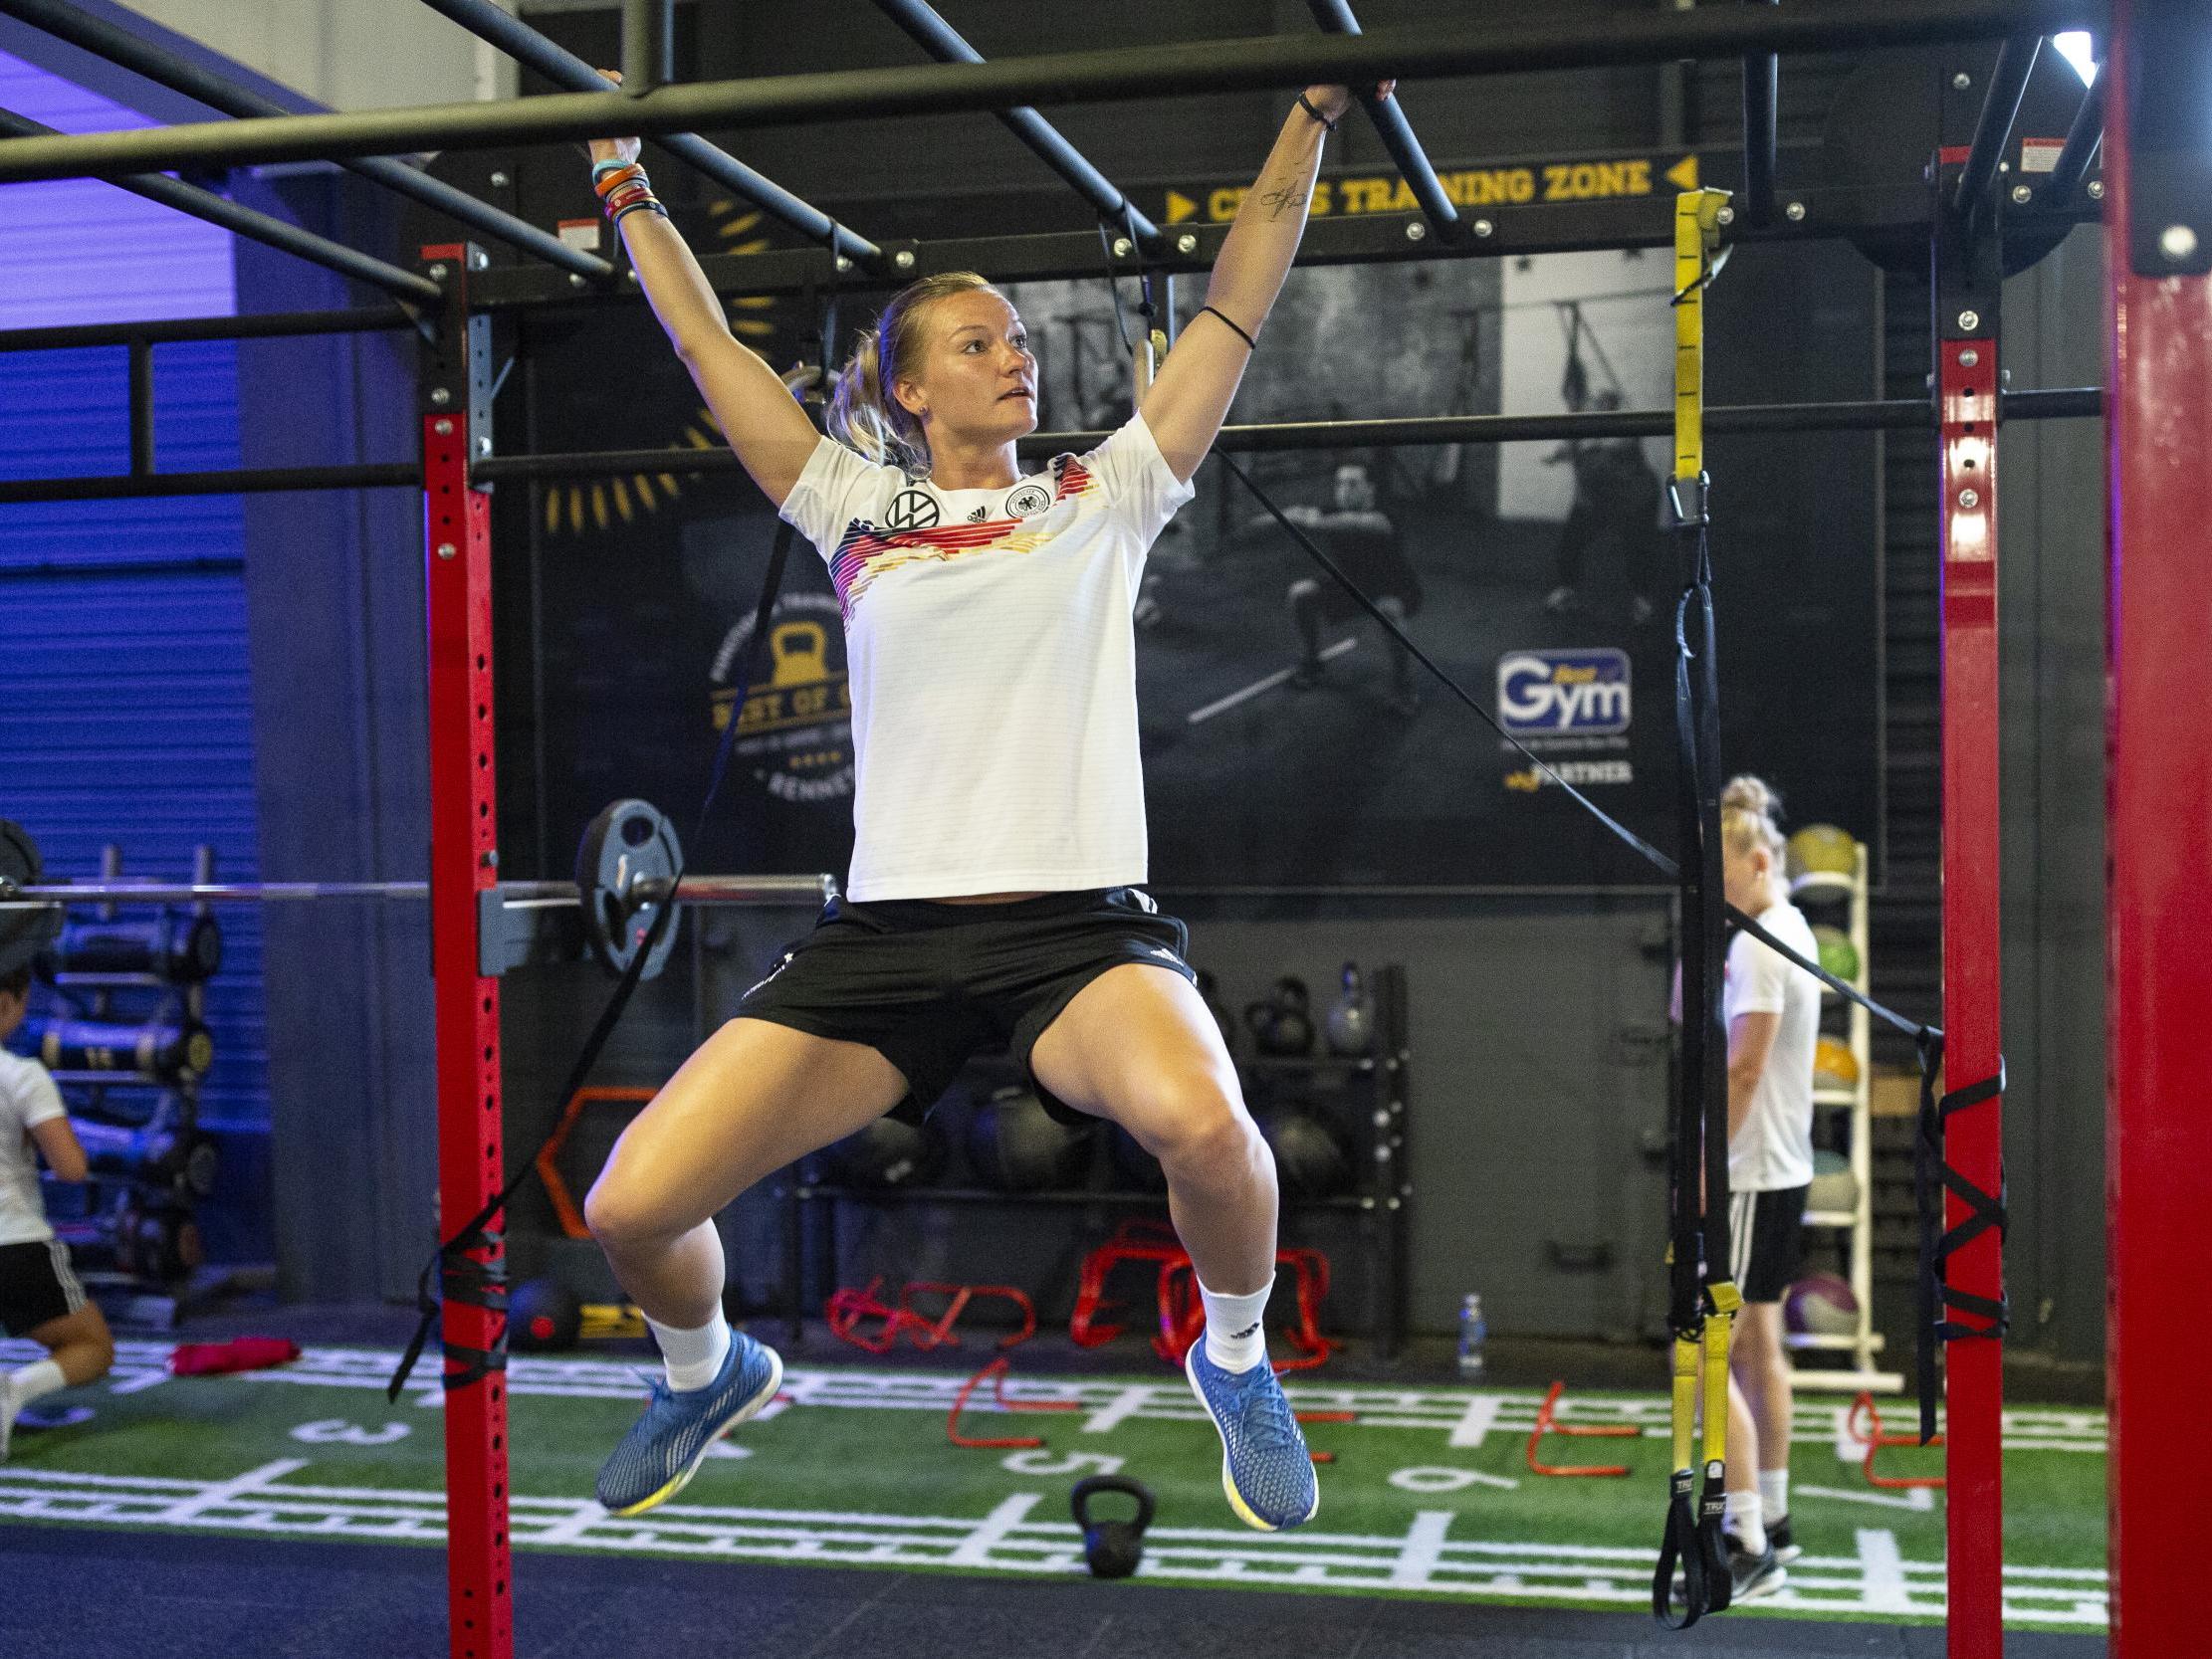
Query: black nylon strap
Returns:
{"type": "Point", "coordinates": [1932, 1177]}
{"type": "Point", "coordinates": [1680, 1545]}
{"type": "Point", "coordinates": [461, 1277]}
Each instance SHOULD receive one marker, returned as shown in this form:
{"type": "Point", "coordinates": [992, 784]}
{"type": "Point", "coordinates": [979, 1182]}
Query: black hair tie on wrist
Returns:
{"type": "Point", "coordinates": [1306, 105]}
{"type": "Point", "coordinates": [1231, 326]}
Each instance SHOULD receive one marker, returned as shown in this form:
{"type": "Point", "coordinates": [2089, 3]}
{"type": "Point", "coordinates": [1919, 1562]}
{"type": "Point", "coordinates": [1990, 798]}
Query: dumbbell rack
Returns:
{"type": "Point", "coordinates": [153, 1299]}
{"type": "Point", "coordinates": [1851, 1107]}
{"type": "Point", "coordinates": [1381, 1197]}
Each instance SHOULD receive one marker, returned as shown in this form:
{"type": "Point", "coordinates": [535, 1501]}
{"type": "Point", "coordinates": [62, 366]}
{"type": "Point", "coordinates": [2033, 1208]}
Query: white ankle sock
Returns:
{"type": "Point", "coordinates": [692, 1356]}
{"type": "Point", "coordinates": [33, 1381]}
{"type": "Point", "coordinates": [1235, 1338]}
{"type": "Point", "coordinates": [1740, 1521]}
{"type": "Point", "coordinates": [1774, 1494]}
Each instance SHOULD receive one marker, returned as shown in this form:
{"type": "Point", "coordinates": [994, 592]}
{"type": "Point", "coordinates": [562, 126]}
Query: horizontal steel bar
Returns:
{"type": "Point", "coordinates": [75, 337]}
{"type": "Point", "coordinates": [487, 22]}
{"type": "Point", "coordinates": [169, 68]}
{"type": "Point", "coordinates": [944, 43]}
{"type": "Point", "coordinates": [1897, 414]}
{"type": "Point", "coordinates": [697, 890]}
{"type": "Point", "coordinates": [1350, 238]}
{"type": "Point", "coordinates": [244, 221]}
{"type": "Point", "coordinates": [244, 481]}
{"type": "Point", "coordinates": [1539, 39]}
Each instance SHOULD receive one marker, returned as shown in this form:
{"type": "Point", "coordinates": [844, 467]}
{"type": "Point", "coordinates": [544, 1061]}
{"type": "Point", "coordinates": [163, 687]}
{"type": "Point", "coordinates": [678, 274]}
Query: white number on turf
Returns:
{"type": "Point", "coordinates": [338, 1432]}
{"type": "Point", "coordinates": [1430, 1478]}
{"type": "Point", "coordinates": [1049, 1463]}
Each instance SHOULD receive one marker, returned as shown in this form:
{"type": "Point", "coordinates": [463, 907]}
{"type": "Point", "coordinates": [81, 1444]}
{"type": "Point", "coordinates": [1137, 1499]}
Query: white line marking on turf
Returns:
{"type": "Point", "coordinates": [1886, 1590]}
{"type": "Point", "coordinates": [1416, 1564]}
{"type": "Point", "coordinates": [1476, 1421]}
{"type": "Point", "coordinates": [1918, 1498]}
{"type": "Point", "coordinates": [1002, 1541]}
{"type": "Point", "coordinates": [224, 1494]}
{"type": "Point", "coordinates": [998, 1526]}
{"type": "Point", "coordinates": [1126, 1403]}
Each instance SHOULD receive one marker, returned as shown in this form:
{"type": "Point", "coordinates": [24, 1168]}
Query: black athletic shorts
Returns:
{"type": "Point", "coordinates": [926, 984]}
{"type": "Point", "coordinates": [1766, 1241]}
{"type": "Point", "coordinates": [37, 1286]}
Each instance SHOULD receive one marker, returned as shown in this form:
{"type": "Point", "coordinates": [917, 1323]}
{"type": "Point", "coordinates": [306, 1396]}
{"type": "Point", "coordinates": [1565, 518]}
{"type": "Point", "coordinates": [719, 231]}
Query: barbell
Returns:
{"type": "Point", "coordinates": [626, 867]}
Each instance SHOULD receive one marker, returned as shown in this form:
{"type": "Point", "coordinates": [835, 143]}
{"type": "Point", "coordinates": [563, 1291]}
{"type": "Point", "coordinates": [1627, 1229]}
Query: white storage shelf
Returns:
{"type": "Point", "coordinates": [1828, 896]}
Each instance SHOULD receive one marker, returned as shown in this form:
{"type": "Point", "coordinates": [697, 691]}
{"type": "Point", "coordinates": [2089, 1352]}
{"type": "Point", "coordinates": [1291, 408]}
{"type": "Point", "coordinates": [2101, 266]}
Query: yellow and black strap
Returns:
{"type": "Point", "coordinates": [1702, 1299]}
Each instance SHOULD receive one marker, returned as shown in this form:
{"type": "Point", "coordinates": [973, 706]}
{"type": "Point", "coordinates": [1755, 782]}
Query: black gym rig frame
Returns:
{"type": "Point", "coordinates": [458, 463]}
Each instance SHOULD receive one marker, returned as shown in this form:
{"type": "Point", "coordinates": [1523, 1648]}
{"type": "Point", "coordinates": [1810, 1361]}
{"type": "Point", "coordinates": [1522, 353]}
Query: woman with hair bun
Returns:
{"type": "Point", "coordinates": [1772, 1008]}
{"type": "Point", "coordinates": [999, 811]}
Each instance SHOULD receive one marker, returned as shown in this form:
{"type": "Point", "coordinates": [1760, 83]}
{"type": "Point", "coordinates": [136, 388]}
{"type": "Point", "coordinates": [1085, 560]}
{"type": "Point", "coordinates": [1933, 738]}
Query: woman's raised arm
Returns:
{"type": "Point", "coordinates": [766, 428]}
{"type": "Point", "coordinates": [1190, 397]}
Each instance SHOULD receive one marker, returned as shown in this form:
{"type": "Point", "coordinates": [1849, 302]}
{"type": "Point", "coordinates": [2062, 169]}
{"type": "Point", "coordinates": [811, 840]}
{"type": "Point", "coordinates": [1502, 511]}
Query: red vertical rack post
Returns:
{"type": "Point", "coordinates": [2159, 1159]}
{"type": "Point", "coordinates": [456, 399]}
{"type": "Point", "coordinates": [1966, 285]}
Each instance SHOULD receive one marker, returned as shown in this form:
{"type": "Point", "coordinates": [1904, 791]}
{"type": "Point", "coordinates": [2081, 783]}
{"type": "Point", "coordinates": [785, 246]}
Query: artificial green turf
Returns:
{"type": "Point", "coordinates": [859, 1472]}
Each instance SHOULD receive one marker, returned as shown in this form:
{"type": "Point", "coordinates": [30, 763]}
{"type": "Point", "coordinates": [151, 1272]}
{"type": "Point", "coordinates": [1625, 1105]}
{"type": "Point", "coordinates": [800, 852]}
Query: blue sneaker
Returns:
{"type": "Point", "coordinates": [666, 1446]}
{"type": "Point", "coordinates": [1265, 1467]}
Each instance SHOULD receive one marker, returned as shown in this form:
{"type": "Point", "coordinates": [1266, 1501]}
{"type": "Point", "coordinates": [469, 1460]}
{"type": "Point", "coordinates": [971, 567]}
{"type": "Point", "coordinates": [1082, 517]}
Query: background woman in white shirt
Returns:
{"type": "Point", "coordinates": [1772, 1008]}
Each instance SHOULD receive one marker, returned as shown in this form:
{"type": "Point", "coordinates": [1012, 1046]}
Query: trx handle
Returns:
{"type": "Point", "coordinates": [1680, 1545]}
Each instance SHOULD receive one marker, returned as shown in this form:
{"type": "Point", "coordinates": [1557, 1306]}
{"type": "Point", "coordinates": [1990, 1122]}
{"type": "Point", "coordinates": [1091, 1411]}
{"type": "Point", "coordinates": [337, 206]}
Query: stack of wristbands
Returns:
{"type": "Point", "coordinates": [623, 189]}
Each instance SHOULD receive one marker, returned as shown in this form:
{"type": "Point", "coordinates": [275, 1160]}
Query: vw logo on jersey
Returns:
{"type": "Point", "coordinates": [1029, 500]}
{"type": "Point", "coordinates": [911, 509]}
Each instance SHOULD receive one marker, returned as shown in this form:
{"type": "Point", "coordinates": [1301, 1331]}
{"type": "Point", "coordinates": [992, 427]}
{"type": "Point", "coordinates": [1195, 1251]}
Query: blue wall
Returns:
{"type": "Point", "coordinates": [125, 673]}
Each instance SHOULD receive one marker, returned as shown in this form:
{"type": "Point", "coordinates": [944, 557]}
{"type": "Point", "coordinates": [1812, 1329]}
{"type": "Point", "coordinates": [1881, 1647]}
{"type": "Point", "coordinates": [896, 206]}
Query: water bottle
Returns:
{"type": "Point", "coordinates": [1472, 1328]}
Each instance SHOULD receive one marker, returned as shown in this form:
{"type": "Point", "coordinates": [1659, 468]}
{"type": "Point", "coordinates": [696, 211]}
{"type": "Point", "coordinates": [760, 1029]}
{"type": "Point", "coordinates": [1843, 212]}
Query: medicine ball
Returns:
{"type": "Point", "coordinates": [1313, 1159]}
{"type": "Point", "coordinates": [1834, 1065]}
{"type": "Point", "coordinates": [889, 1153]}
{"type": "Point", "coordinates": [1016, 1146]}
{"type": "Point", "coordinates": [1821, 1305]}
{"type": "Point", "coordinates": [1837, 954]}
{"type": "Point", "coordinates": [542, 1316]}
{"type": "Point", "coordinates": [1823, 849]}
{"type": "Point", "coordinates": [1834, 1187]}
{"type": "Point", "coordinates": [1134, 1168]}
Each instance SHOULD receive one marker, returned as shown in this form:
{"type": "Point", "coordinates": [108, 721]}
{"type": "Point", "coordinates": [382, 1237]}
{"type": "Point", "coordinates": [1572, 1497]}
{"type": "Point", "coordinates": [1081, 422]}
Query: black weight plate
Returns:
{"type": "Point", "coordinates": [24, 934]}
{"type": "Point", "coordinates": [629, 842]}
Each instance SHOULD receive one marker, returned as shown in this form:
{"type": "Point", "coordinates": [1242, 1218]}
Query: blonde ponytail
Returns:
{"type": "Point", "coordinates": [1749, 811]}
{"type": "Point", "coordinates": [863, 413]}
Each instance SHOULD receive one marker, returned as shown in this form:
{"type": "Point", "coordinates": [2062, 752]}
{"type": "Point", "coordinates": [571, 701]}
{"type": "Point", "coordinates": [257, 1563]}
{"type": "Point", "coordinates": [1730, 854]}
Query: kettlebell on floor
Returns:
{"type": "Point", "coordinates": [1112, 1549]}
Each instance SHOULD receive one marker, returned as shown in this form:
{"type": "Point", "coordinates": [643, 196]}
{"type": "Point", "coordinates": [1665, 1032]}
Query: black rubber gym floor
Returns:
{"type": "Point", "coordinates": [78, 1595]}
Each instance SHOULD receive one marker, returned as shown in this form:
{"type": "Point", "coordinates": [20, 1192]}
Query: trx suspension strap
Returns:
{"type": "Point", "coordinates": [1703, 1301]}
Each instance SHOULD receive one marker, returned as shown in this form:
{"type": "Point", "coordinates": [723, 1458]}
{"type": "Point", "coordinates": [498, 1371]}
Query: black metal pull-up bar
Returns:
{"type": "Point", "coordinates": [260, 227]}
{"type": "Point", "coordinates": [180, 73]}
{"type": "Point", "coordinates": [1396, 133]}
{"type": "Point", "coordinates": [2083, 140]}
{"type": "Point", "coordinates": [944, 43]}
{"type": "Point", "coordinates": [1891, 415]}
{"type": "Point", "coordinates": [2008, 84]}
{"type": "Point", "coordinates": [1762, 91]}
{"type": "Point", "coordinates": [618, 112]}
{"type": "Point", "coordinates": [1540, 39]}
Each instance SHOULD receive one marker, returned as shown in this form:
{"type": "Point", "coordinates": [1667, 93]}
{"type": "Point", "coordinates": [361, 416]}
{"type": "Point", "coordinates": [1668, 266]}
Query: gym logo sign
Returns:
{"type": "Point", "coordinates": [795, 729]}
{"type": "Point", "coordinates": [1555, 693]}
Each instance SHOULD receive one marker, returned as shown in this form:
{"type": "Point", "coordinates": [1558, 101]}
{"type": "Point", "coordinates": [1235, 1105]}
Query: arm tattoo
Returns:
{"type": "Point", "coordinates": [1278, 199]}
